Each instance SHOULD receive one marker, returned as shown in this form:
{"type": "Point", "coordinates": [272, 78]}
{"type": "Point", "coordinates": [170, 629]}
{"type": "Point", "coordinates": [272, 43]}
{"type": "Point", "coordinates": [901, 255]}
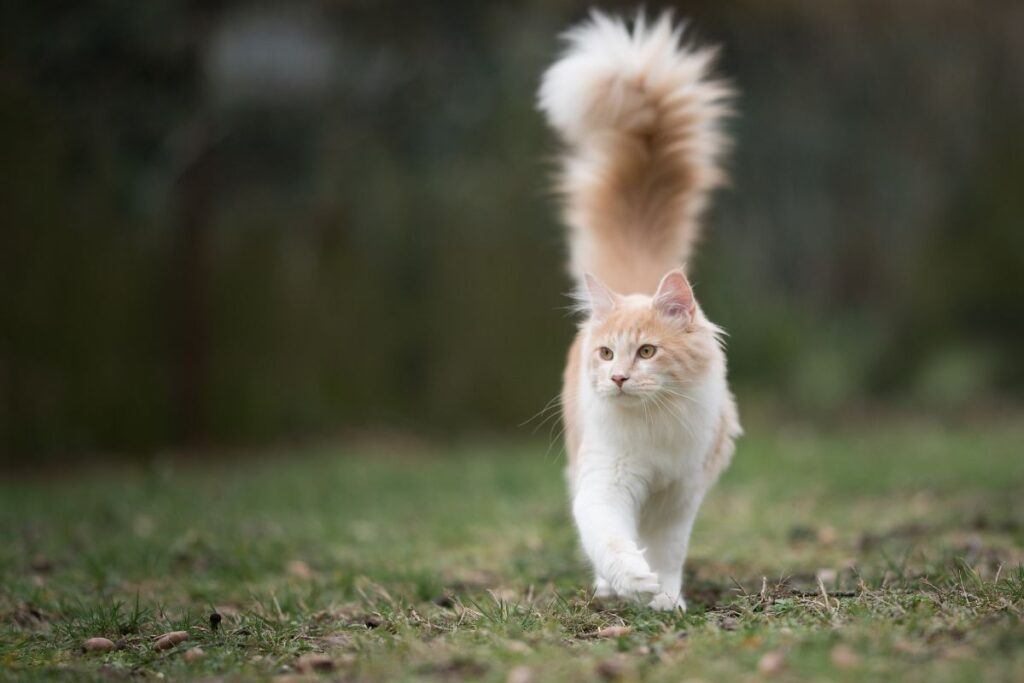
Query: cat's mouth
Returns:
{"type": "Point", "coordinates": [627, 393]}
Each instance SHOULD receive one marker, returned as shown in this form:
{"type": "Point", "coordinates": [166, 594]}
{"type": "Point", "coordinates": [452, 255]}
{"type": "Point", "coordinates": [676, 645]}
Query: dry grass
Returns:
{"type": "Point", "coordinates": [894, 555]}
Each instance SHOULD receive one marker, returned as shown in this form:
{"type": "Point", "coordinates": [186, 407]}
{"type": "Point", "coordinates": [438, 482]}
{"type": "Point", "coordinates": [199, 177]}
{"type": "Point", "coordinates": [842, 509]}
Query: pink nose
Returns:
{"type": "Point", "coordinates": [620, 379]}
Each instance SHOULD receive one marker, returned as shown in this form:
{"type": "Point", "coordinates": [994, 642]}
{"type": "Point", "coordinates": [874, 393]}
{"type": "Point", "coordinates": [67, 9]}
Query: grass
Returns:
{"type": "Point", "coordinates": [871, 553]}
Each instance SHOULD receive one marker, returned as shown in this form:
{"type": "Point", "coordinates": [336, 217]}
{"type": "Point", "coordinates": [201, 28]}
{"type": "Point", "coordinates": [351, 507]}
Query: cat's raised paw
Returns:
{"type": "Point", "coordinates": [636, 584]}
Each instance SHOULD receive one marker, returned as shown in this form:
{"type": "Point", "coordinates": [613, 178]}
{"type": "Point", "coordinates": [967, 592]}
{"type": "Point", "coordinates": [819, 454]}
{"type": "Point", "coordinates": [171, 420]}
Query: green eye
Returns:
{"type": "Point", "coordinates": [646, 351]}
{"type": "Point", "coordinates": [605, 353]}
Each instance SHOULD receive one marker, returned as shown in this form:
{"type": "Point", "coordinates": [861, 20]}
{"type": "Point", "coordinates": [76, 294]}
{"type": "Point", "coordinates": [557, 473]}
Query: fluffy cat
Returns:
{"type": "Point", "coordinates": [649, 417]}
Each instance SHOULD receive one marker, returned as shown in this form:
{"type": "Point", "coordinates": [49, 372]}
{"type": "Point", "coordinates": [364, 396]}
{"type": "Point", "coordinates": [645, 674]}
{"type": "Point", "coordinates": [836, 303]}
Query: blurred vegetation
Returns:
{"type": "Point", "coordinates": [235, 222]}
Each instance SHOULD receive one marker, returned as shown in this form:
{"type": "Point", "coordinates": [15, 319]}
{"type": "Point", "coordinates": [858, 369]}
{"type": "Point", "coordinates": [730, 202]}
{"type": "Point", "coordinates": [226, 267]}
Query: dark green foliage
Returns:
{"type": "Point", "coordinates": [179, 263]}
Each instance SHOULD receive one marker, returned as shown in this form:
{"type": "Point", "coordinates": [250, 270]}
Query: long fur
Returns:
{"type": "Point", "coordinates": [641, 121]}
{"type": "Point", "coordinates": [649, 418]}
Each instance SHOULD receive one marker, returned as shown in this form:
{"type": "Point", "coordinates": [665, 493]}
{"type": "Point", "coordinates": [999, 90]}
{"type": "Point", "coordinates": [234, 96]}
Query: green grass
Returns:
{"type": "Point", "coordinates": [463, 565]}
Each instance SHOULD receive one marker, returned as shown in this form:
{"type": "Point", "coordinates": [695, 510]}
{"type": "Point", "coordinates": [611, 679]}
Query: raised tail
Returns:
{"type": "Point", "coordinates": [641, 120]}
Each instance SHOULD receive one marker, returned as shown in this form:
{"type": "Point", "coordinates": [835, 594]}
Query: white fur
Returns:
{"type": "Point", "coordinates": [640, 482]}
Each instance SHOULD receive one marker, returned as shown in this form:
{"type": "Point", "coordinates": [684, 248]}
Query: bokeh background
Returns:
{"type": "Point", "coordinates": [231, 223]}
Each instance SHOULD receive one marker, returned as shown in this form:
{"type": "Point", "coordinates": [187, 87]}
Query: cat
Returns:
{"type": "Point", "coordinates": [649, 419]}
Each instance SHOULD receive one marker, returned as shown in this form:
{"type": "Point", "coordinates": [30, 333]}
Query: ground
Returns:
{"type": "Point", "coordinates": [864, 552]}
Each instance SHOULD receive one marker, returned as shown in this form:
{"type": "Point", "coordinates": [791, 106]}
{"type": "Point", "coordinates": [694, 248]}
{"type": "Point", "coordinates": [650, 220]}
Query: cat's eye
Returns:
{"type": "Point", "coordinates": [605, 353]}
{"type": "Point", "coordinates": [646, 351]}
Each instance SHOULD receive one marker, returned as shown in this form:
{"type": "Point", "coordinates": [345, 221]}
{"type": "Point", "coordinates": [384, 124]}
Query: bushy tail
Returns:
{"type": "Point", "coordinates": [641, 120]}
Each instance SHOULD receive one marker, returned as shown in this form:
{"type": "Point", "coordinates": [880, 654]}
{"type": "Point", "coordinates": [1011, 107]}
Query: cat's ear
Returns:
{"type": "Point", "coordinates": [674, 297]}
{"type": "Point", "coordinates": [596, 297]}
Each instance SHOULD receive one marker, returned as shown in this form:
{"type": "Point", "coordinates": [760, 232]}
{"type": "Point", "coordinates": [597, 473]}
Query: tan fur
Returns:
{"type": "Point", "coordinates": [729, 430]}
{"type": "Point", "coordinates": [641, 120]}
{"type": "Point", "coordinates": [570, 380]}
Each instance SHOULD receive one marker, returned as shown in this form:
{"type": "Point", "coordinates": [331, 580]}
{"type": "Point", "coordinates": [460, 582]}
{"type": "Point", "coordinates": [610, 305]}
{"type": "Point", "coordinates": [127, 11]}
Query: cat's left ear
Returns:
{"type": "Point", "coordinates": [598, 299]}
{"type": "Point", "coordinates": [674, 297]}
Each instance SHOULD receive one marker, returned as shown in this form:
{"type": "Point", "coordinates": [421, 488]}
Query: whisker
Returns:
{"type": "Point", "coordinates": [554, 402]}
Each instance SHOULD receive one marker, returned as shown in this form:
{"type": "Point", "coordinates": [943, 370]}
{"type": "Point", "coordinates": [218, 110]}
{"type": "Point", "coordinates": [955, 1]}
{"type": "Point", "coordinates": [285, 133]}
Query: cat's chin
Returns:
{"type": "Point", "coordinates": [623, 398]}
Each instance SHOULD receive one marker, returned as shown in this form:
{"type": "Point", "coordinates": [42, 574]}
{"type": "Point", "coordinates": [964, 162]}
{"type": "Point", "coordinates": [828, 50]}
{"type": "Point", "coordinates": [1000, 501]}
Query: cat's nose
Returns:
{"type": "Point", "coordinates": [620, 379]}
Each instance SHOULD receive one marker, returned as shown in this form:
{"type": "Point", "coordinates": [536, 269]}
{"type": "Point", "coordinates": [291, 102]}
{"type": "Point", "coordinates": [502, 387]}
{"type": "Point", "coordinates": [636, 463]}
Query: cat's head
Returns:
{"type": "Point", "coordinates": [645, 348]}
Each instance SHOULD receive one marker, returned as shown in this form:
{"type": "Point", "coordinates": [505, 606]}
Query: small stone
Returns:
{"type": "Point", "coordinates": [613, 631]}
{"type": "Point", "coordinates": [771, 663]}
{"type": "Point", "coordinates": [314, 661]}
{"type": "Point", "coordinates": [521, 674]}
{"type": "Point", "coordinates": [169, 640]}
{"type": "Point", "coordinates": [844, 657]}
{"type": "Point", "coordinates": [194, 654]}
{"type": "Point", "coordinates": [98, 645]}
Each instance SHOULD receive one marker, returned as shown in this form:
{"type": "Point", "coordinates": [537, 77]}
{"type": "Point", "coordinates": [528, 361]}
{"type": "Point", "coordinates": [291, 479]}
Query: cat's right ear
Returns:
{"type": "Point", "coordinates": [599, 299]}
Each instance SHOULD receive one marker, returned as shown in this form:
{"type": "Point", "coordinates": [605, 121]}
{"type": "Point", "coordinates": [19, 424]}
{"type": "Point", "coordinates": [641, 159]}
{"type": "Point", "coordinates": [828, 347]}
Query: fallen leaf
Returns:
{"type": "Point", "coordinates": [300, 570]}
{"type": "Point", "coordinates": [314, 661]}
{"type": "Point", "coordinates": [772, 663]}
{"type": "Point", "coordinates": [521, 674]}
{"type": "Point", "coordinates": [844, 657]}
{"type": "Point", "coordinates": [194, 654]}
{"type": "Point", "coordinates": [827, 576]}
{"type": "Point", "coordinates": [169, 640]}
{"type": "Point", "coordinates": [613, 632]}
{"type": "Point", "coordinates": [98, 645]}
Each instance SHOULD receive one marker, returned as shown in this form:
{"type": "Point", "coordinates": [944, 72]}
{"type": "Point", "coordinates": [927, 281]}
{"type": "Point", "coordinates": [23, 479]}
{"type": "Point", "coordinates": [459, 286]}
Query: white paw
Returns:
{"type": "Point", "coordinates": [667, 603]}
{"type": "Point", "coordinates": [603, 590]}
{"type": "Point", "coordinates": [632, 576]}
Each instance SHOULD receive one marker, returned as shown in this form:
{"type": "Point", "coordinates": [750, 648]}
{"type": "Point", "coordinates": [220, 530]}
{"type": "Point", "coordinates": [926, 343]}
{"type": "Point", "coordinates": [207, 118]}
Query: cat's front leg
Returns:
{"type": "Point", "coordinates": [606, 516]}
{"type": "Point", "coordinates": [602, 589]}
{"type": "Point", "coordinates": [666, 535]}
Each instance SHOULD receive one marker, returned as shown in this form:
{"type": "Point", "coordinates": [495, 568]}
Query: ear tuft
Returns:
{"type": "Point", "coordinates": [674, 297]}
{"type": "Point", "coordinates": [595, 297]}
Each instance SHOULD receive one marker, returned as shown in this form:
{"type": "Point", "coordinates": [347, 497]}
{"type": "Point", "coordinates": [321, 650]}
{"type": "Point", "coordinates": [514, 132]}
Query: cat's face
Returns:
{"type": "Point", "coordinates": [647, 348]}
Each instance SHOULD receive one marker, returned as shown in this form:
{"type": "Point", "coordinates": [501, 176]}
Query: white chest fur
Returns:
{"type": "Point", "coordinates": [657, 444]}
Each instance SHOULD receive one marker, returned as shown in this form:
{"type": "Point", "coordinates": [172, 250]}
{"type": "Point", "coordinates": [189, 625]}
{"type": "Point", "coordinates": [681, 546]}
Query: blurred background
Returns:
{"type": "Point", "coordinates": [235, 223]}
